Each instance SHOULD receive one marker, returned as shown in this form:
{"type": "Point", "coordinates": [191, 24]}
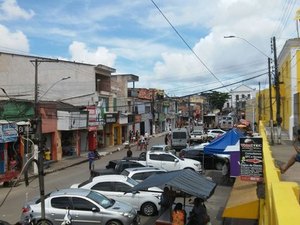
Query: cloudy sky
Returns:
{"type": "Point", "coordinates": [175, 45]}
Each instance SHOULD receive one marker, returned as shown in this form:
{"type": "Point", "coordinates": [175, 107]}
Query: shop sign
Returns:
{"type": "Point", "coordinates": [8, 132]}
{"type": "Point", "coordinates": [251, 159]}
{"type": "Point", "coordinates": [25, 129]}
{"type": "Point", "coordinates": [94, 116]}
{"type": "Point", "coordinates": [111, 117]}
{"type": "Point", "coordinates": [123, 119]}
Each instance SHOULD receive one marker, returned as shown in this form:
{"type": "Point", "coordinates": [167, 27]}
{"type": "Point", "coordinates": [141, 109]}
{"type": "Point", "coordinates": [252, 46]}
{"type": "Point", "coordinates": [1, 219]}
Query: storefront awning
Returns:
{"type": "Point", "coordinates": [243, 202]}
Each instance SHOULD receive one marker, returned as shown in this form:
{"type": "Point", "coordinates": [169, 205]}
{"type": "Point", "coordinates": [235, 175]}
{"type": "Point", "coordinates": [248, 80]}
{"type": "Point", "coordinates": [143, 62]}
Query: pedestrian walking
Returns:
{"type": "Point", "coordinates": [141, 143]}
{"type": "Point", "coordinates": [137, 135]}
{"type": "Point", "coordinates": [226, 172]}
{"type": "Point", "coordinates": [129, 153]}
{"type": "Point", "coordinates": [166, 139]}
{"type": "Point", "coordinates": [130, 136]}
{"type": "Point", "coordinates": [92, 156]}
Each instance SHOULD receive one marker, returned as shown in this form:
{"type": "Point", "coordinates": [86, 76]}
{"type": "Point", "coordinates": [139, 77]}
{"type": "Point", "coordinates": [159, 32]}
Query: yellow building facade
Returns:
{"type": "Point", "coordinates": [289, 78]}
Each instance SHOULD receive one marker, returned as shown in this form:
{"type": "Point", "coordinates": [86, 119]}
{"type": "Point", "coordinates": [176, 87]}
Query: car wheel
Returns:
{"type": "Point", "coordinates": [44, 222]}
{"type": "Point", "coordinates": [219, 165]}
{"type": "Point", "coordinates": [148, 209]}
{"type": "Point", "coordinates": [113, 222]}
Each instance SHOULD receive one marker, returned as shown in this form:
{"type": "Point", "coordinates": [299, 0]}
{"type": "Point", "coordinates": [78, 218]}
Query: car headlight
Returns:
{"type": "Point", "coordinates": [157, 196]}
{"type": "Point", "coordinates": [127, 214]}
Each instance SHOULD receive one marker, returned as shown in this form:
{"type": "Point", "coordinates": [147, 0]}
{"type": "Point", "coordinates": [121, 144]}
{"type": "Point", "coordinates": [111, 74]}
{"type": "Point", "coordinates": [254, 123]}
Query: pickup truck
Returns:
{"type": "Point", "coordinates": [199, 136]}
{"type": "Point", "coordinates": [117, 166]}
{"type": "Point", "coordinates": [168, 161]}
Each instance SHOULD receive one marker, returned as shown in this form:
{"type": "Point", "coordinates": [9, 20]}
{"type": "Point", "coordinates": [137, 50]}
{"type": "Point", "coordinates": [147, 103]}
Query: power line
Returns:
{"type": "Point", "coordinates": [212, 89]}
{"type": "Point", "coordinates": [180, 36]}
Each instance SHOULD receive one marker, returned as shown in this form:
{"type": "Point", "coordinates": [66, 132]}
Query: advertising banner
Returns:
{"type": "Point", "coordinates": [8, 132]}
{"type": "Point", "coordinates": [251, 159]}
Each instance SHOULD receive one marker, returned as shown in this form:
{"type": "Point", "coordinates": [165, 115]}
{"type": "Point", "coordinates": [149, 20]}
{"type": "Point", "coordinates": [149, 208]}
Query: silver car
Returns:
{"type": "Point", "coordinates": [86, 207]}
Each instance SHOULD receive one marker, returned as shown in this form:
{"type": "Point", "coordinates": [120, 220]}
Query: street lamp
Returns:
{"type": "Point", "coordinates": [270, 85]}
{"type": "Point", "coordinates": [62, 79]}
{"type": "Point", "coordinates": [232, 36]}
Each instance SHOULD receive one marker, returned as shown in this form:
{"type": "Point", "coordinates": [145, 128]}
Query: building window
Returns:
{"type": "Point", "coordinates": [147, 109]}
{"type": "Point", "coordinates": [237, 97]}
{"type": "Point", "coordinates": [106, 104]}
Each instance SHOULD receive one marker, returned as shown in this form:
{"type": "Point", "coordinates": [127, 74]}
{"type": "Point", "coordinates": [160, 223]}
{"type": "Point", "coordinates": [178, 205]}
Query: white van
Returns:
{"type": "Point", "coordinates": [180, 138]}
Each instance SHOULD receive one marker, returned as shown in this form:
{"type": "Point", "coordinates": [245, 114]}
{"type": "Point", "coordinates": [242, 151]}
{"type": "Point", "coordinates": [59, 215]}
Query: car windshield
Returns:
{"type": "Point", "coordinates": [125, 173]}
{"type": "Point", "coordinates": [101, 199]}
{"type": "Point", "coordinates": [156, 148]}
{"type": "Point", "coordinates": [179, 135]}
{"type": "Point", "coordinates": [84, 183]}
{"type": "Point", "coordinates": [132, 181]}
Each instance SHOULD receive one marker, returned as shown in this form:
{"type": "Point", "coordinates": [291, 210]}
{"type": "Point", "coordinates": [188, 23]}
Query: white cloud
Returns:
{"type": "Point", "coordinates": [13, 41]}
{"type": "Point", "coordinates": [252, 20]}
{"type": "Point", "coordinates": [80, 53]}
{"type": "Point", "coordinates": [10, 10]}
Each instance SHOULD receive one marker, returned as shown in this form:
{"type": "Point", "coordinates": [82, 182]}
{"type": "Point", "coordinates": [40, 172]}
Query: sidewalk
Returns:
{"type": "Point", "coordinates": [281, 154]}
{"type": "Point", "coordinates": [70, 161]}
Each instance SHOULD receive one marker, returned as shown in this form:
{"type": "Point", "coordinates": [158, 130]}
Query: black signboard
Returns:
{"type": "Point", "coordinates": [111, 117]}
{"type": "Point", "coordinates": [251, 160]}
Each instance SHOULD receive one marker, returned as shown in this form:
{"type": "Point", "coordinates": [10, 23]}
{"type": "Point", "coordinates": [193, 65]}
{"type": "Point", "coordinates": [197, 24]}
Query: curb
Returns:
{"type": "Point", "coordinates": [118, 149]}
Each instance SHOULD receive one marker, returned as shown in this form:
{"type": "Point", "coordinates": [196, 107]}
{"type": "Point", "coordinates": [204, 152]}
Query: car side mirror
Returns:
{"type": "Point", "coordinates": [94, 209]}
{"type": "Point", "coordinates": [176, 160]}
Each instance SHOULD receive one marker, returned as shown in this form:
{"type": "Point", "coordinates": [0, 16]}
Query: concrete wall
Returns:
{"type": "Point", "coordinates": [17, 77]}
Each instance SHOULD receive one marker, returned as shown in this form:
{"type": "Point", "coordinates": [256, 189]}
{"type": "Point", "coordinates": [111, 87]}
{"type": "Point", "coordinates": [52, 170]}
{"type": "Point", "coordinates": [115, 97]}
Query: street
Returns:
{"type": "Point", "coordinates": [12, 205]}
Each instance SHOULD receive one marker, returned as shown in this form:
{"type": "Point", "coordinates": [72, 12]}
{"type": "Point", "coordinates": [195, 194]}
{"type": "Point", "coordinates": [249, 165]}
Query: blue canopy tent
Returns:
{"type": "Point", "coordinates": [218, 145]}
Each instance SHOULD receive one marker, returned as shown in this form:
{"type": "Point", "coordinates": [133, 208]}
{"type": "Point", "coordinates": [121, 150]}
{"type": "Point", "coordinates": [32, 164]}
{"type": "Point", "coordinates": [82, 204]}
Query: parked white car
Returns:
{"type": "Point", "coordinates": [216, 132]}
{"type": "Point", "coordinates": [162, 148]}
{"type": "Point", "coordinates": [118, 188]}
{"type": "Point", "coordinates": [141, 173]}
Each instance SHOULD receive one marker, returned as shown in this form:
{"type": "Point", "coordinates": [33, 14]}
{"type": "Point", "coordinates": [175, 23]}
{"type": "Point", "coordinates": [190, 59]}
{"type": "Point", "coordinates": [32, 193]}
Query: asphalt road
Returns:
{"type": "Point", "coordinates": [11, 206]}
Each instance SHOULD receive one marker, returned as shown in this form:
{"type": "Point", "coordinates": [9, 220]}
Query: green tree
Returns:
{"type": "Point", "coordinates": [216, 99]}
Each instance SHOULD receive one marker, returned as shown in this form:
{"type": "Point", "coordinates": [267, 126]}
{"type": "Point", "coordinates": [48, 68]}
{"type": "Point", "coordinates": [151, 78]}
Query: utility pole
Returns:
{"type": "Point", "coordinates": [259, 102]}
{"type": "Point", "coordinates": [153, 113]}
{"type": "Point", "coordinates": [277, 90]}
{"type": "Point", "coordinates": [270, 99]}
{"type": "Point", "coordinates": [38, 135]}
{"type": "Point", "coordinates": [133, 105]}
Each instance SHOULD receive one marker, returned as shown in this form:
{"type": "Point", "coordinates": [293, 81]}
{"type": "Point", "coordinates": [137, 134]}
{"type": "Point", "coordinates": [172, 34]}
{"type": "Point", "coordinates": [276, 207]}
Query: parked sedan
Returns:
{"type": "Point", "coordinates": [196, 152]}
{"type": "Point", "coordinates": [141, 173]}
{"type": "Point", "coordinates": [85, 207]}
{"type": "Point", "coordinates": [216, 132]}
{"type": "Point", "coordinates": [118, 187]}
